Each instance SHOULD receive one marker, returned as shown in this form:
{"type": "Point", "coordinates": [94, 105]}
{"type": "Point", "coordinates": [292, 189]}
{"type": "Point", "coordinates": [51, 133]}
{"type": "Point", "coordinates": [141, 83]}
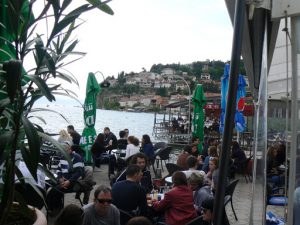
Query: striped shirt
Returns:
{"type": "Point", "coordinates": [71, 173]}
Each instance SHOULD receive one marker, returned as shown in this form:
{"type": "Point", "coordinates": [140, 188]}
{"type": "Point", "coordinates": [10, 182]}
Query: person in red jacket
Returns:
{"type": "Point", "coordinates": [178, 202]}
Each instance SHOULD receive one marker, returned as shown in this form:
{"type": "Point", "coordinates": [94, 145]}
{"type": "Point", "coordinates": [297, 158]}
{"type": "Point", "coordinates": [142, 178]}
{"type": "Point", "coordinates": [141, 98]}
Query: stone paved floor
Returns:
{"type": "Point", "coordinates": [241, 198]}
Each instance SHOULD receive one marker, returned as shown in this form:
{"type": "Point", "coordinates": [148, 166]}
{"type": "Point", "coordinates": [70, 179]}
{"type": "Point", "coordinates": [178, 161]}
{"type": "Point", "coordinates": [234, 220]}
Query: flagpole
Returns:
{"type": "Point", "coordinates": [239, 16]}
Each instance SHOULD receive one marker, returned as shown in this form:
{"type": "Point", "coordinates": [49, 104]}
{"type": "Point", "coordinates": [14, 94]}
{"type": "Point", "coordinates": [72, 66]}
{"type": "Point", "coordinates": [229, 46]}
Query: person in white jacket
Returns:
{"type": "Point", "coordinates": [132, 147]}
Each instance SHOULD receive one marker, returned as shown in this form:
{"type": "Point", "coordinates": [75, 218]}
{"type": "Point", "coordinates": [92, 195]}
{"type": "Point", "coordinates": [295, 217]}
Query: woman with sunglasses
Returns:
{"type": "Point", "coordinates": [101, 211]}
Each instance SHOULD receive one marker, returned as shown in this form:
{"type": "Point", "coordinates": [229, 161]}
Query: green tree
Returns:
{"type": "Point", "coordinates": [162, 91]}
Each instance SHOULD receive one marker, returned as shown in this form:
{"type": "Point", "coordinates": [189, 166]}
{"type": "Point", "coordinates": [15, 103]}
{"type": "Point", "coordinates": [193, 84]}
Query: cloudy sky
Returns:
{"type": "Point", "coordinates": [146, 32]}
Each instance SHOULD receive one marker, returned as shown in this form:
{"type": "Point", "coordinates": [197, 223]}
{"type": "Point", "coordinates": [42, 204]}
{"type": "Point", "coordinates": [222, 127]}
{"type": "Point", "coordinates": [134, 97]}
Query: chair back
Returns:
{"type": "Point", "coordinates": [172, 168]}
{"type": "Point", "coordinates": [249, 168]}
{"type": "Point", "coordinates": [31, 195]}
{"type": "Point", "coordinates": [164, 154]}
{"type": "Point", "coordinates": [231, 187]}
{"type": "Point", "coordinates": [159, 145]}
{"type": "Point", "coordinates": [196, 221]}
{"type": "Point", "coordinates": [124, 216]}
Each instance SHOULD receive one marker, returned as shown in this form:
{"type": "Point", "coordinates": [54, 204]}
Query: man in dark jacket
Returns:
{"type": "Point", "coordinates": [110, 140]}
{"type": "Point", "coordinates": [74, 134]}
{"type": "Point", "coordinates": [140, 159]}
{"type": "Point", "coordinates": [128, 195]}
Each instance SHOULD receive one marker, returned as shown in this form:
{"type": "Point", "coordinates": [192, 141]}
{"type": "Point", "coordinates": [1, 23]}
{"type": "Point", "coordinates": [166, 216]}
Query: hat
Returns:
{"type": "Point", "coordinates": [208, 204]}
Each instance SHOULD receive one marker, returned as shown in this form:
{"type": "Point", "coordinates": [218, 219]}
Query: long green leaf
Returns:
{"type": "Point", "coordinates": [67, 77]}
{"type": "Point", "coordinates": [70, 96]}
{"type": "Point", "coordinates": [3, 103]}
{"type": "Point", "coordinates": [65, 4]}
{"type": "Point", "coordinates": [5, 140]}
{"type": "Point", "coordinates": [102, 6]}
{"type": "Point", "coordinates": [49, 110]}
{"type": "Point", "coordinates": [66, 36]}
{"type": "Point", "coordinates": [57, 145]}
{"type": "Point", "coordinates": [42, 86]}
{"type": "Point", "coordinates": [34, 147]}
{"type": "Point", "coordinates": [37, 117]}
{"type": "Point", "coordinates": [67, 20]}
{"type": "Point", "coordinates": [47, 173]}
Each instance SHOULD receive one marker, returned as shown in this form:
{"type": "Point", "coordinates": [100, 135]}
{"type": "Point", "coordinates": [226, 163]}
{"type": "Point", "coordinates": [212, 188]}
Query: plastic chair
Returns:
{"type": "Point", "coordinates": [229, 193]}
{"type": "Point", "coordinates": [276, 196]}
{"type": "Point", "coordinates": [159, 145]}
{"type": "Point", "coordinates": [162, 155]}
{"type": "Point", "coordinates": [172, 168]}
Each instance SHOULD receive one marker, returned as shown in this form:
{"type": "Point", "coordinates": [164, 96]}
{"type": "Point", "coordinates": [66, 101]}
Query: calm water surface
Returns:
{"type": "Point", "coordinates": [137, 123]}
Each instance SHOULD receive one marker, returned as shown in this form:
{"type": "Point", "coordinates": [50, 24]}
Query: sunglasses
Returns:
{"type": "Point", "coordinates": [102, 201]}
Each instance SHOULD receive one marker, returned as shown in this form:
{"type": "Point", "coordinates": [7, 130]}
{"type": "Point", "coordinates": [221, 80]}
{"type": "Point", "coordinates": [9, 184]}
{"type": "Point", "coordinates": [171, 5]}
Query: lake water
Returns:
{"type": "Point", "coordinates": [137, 123]}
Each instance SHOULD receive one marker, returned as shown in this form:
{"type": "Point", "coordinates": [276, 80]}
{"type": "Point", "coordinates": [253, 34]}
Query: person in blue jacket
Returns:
{"type": "Point", "coordinates": [147, 147]}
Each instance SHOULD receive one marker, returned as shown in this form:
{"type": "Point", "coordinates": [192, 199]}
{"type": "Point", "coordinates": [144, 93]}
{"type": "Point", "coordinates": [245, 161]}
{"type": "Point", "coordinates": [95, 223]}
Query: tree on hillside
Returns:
{"type": "Point", "coordinates": [197, 68]}
{"type": "Point", "coordinates": [121, 78]}
{"type": "Point", "coordinates": [162, 91]}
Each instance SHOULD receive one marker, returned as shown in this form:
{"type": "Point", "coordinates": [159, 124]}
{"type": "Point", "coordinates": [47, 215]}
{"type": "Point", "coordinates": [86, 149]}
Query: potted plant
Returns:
{"type": "Point", "coordinates": [22, 85]}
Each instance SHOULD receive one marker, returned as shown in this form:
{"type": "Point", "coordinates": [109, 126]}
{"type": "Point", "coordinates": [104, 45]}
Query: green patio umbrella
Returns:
{"type": "Point", "coordinates": [199, 101]}
{"type": "Point", "coordinates": [89, 133]}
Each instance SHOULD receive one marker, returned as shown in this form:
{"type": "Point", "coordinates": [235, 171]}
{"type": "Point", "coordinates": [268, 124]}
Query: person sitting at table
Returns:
{"type": "Point", "coordinates": [281, 154]}
{"type": "Point", "coordinates": [237, 155]}
{"type": "Point", "coordinates": [98, 148]}
{"type": "Point", "coordinates": [67, 177]}
{"type": "Point", "coordinates": [181, 160]}
{"type": "Point", "coordinates": [207, 213]}
{"type": "Point", "coordinates": [147, 147]}
{"type": "Point", "coordinates": [64, 136]}
{"type": "Point", "coordinates": [273, 175]}
{"type": "Point", "coordinates": [128, 195]}
{"type": "Point", "coordinates": [110, 140]}
{"type": "Point", "coordinates": [177, 204]}
{"type": "Point", "coordinates": [201, 191]}
{"type": "Point", "coordinates": [212, 152]}
{"type": "Point", "coordinates": [141, 160]}
{"type": "Point", "coordinates": [132, 147]}
{"type": "Point", "coordinates": [122, 141]}
{"type": "Point", "coordinates": [192, 163]}
{"type": "Point", "coordinates": [101, 211]}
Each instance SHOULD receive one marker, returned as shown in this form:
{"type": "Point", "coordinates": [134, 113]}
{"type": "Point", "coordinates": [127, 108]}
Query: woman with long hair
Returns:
{"type": "Point", "coordinates": [98, 148]}
{"type": "Point", "coordinates": [132, 147]}
{"type": "Point", "coordinates": [147, 147]}
{"type": "Point", "coordinates": [64, 137]}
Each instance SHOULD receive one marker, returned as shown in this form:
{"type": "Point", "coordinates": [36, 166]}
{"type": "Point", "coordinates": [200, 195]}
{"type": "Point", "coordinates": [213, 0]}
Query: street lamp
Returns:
{"type": "Point", "coordinates": [104, 83]}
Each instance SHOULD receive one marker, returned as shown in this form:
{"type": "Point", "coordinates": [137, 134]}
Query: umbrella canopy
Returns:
{"type": "Point", "coordinates": [199, 101]}
{"type": "Point", "coordinates": [89, 133]}
{"type": "Point", "coordinates": [240, 100]}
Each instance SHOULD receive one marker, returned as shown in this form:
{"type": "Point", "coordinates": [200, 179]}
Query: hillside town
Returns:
{"type": "Point", "coordinates": [152, 91]}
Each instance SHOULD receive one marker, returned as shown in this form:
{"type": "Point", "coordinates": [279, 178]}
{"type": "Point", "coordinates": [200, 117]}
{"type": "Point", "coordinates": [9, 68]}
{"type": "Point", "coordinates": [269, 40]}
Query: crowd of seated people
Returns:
{"type": "Point", "coordinates": [191, 195]}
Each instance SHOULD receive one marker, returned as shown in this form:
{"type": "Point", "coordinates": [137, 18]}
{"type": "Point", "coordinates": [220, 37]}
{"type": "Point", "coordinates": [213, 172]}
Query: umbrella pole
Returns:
{"type": "Point", "coordinates": [239, 16]}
